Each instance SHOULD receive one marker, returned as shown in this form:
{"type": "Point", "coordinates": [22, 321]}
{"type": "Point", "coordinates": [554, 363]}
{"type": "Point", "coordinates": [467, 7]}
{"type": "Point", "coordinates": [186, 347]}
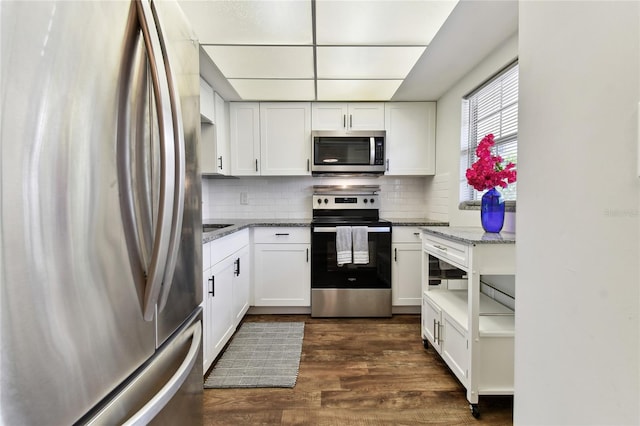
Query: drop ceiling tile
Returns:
{"type": "Point", "coordinates": [347, 62]}
{"type": "Point", "coordinates": [250, 21]}
{"type": "Point", "coordinates": [362, 90]}
{"type": "Point", "coordinates": [263, 61]}
{"type": "Point", "coordinates": [399, 22]}
{"type": "Point", "coordinates": [274, 90]}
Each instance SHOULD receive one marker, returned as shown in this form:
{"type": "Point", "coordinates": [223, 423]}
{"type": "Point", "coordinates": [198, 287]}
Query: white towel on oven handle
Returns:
{"type": "Point", "coordinates": [360, 236]}
{"type": "Point", "coordinates": [343, 244]}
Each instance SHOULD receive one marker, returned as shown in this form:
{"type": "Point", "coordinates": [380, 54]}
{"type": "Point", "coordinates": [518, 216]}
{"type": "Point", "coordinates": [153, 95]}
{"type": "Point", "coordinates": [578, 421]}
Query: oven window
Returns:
{"type": "Point", "coordinates": [325, 272]}
{"type": "Point", "coordinates": [336, 150]}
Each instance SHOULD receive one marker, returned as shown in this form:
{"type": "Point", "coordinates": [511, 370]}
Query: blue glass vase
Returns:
{"type": "Point", "coordinates": [492, 211]}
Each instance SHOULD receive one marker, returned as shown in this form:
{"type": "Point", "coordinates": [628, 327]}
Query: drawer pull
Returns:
{"type": "Point", "coordinates": [440, 247]}
{"type": "Point", "coordinates": [282, 235]}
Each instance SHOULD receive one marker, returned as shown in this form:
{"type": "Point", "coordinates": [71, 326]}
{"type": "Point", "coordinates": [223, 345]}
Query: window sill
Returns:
{"type": "Point", "coordinates": [510, 206]}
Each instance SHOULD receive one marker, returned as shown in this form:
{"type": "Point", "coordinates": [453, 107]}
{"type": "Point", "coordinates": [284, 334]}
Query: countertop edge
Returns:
{"type": "Point", "coordinates": [471, 235]}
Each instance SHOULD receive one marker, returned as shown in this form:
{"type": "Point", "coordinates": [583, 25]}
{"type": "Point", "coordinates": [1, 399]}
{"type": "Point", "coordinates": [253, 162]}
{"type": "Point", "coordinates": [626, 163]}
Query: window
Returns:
{"type": "Point", "coordinates": [491, 108]}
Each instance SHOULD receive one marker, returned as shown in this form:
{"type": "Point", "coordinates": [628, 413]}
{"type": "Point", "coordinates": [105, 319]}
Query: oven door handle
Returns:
{"type": "Point", "coordinates": [370, 229]}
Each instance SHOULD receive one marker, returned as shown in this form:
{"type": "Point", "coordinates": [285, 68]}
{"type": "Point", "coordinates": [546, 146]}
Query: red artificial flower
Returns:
{"type": "Point", "coordinates": [488, 172]}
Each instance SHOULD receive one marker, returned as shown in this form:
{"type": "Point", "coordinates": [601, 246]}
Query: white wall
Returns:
{"type": "Point", "coordinates": [577, 344]}
{"type": "Point", "coordinates": [448, 125]}
{"type": "Point", "coordinates": [290, 197]}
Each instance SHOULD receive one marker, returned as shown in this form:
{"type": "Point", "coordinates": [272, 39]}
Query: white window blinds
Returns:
{"type": "Point", "coordinates": [491, 108]}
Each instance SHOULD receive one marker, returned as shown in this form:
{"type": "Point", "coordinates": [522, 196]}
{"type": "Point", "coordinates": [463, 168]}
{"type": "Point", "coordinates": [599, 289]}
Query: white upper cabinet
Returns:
{"type": "Point", "coordinates": [348, 116]}
{"type": "Point", "coordinates": [223, 147]}
{"type": "Point", "coordinates": [244, 129]}
{"type": "Point", "coordinates": [411, 138]}
{"type": "Point", "coordinates": [285, 138]}
{"type": "Point", "coordinates": [214, 140]}
{"type": "Point", "coordinates": [207, 109]}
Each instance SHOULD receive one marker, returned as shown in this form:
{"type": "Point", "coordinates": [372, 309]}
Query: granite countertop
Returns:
{"type": "Point", "coordinates": [471, 235]}
{"type": "Point", "coordinates": [238, 224]}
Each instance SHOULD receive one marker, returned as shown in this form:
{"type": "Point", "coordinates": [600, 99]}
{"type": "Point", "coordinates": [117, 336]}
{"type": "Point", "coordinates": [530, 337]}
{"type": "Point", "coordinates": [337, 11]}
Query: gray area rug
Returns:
{"type": "Point", "coordinates": [260, 355]}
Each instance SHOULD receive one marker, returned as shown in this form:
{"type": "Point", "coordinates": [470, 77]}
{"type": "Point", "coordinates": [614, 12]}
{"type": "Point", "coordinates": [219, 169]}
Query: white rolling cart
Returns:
{"type": "Point", "coordinates": [472, 332]}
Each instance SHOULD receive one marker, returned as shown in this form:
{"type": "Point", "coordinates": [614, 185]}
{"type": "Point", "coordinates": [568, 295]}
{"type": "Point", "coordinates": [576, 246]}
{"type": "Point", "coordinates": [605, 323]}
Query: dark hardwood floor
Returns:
{"type": "Point", "coordinates": [358, 372]}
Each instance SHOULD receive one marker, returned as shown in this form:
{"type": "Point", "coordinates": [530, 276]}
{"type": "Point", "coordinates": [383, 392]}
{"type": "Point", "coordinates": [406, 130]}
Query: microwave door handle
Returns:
{"type": "Point", "coordinates": [372, 150]}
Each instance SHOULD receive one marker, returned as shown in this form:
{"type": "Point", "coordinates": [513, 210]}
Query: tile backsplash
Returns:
{"type": "Point", "coordinates": [290, 197]}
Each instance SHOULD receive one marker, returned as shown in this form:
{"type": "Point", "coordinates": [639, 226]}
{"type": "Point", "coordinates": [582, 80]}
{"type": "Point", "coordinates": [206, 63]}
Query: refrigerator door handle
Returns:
{"type": "Point", "coordinates": [180, 171]}
{"type": "Point", "coordinates": [157, 267]}
{"type": "Point", "coordinates": [157, 403]}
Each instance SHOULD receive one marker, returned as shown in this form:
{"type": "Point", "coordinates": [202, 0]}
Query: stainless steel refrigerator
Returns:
{"type": "Point", "coordinates": [100, 216]}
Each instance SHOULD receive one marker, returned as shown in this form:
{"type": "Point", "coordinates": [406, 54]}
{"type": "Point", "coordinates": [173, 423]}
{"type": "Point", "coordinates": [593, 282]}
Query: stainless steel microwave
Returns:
{"type": "Point", "coordinates": [355, 152]}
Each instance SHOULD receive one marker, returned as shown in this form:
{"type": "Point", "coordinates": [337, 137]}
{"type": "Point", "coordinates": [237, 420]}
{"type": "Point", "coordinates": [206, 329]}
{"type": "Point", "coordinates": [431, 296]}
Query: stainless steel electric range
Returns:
{"type": "Point", "coordinates": [350, 253]}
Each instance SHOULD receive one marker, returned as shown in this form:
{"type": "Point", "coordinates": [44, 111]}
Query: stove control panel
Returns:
{"type": "Point", "coordinates": [333, 202]}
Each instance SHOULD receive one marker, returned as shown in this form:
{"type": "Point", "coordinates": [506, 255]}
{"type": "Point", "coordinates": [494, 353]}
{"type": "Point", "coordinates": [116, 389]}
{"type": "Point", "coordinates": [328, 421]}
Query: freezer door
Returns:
{"type": "Point", "coordinates": [72, 297]}
{"type": "Point", "coordinates": [184, 294]}
{"type": "Point", "coordinates": [166, 391]}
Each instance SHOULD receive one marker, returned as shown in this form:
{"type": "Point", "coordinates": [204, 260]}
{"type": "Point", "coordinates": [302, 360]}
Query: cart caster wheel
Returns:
{"type": "Point", "coordinates": [425, 343]}
{"type": "Point", "coordinates": [475, 411]}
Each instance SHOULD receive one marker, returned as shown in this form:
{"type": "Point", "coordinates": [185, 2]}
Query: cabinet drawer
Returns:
{"type": "Point", "coordinates": [282, 234]}
{"type": "Point", "coordinates": [226, 246]}
{"type": "Point", "coordinates": [406, 234]}
{"type": "Point", "coordinates": [456, 253]}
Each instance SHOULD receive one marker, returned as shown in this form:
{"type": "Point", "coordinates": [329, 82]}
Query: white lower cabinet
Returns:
{"type": "Point", "coordinates": [406, 269]}
{"type": "Point", "coordinates": [282, 268]}
{"type": "Point", "coordinates": [241, 285]}
{"type": "Point", "coordinates": [226, 291]}
{"type": "Point", "coordinates": [219, 294]}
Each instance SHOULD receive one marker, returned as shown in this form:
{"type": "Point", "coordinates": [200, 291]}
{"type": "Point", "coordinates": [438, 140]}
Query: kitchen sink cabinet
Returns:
{"type": "Point", "coordinates": [411, 138]}
{"type": "Point", "coordinates": [226, 290]}
{"type": "Point", "coordinates": [285, 138]}
{"type": "Point", "coordinates": [282, 268]}
{"type": "Point", "coordinates": [472, 331]}
{"type": "Point", "coordinates": [406, 283]}
{"type": "Point", "coordinates": [214, 140]}
{"type": "Point", "coordinates": [348, 116]}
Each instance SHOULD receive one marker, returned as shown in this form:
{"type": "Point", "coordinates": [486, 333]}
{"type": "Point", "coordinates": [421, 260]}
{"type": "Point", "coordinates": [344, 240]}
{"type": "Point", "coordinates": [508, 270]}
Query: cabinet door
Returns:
{"type": "Point", "coordinates": [222, 157]}
{"type": "Point", "coordinates": [241, 285]}
{"type": "Point", "coordinates": [455, 351]}
{"type": "Point", "coordinates": [207, 109]}
{"type": "Point", "coordinates": [366, 116]}
{"type": "Point", "coordinates": [285, 138]}
{"type": "Point", "coordinates": [410, 143]}
{"type": "Point", "coordinates": [407, 274]}
{"type": "Point", "coordinates": [431, 320]}
{"type": "Point", "coordinates": [208, 150]}
{"type": "Point", "coordinates": [329, 116]}
{"type": "Point", "coordinates": [221, 296]}
{"type": "Point", "coordinates": [282, 275]}
{"type": "Point", "coordinates": [207, 320]}
{"type": "Point", "coordinates": [244, 131]}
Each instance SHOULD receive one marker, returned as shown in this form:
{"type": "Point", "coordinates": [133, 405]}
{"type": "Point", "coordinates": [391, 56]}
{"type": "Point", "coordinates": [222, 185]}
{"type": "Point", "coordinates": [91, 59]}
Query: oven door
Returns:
{"type": "Point", "coordinates": [326, 274]}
